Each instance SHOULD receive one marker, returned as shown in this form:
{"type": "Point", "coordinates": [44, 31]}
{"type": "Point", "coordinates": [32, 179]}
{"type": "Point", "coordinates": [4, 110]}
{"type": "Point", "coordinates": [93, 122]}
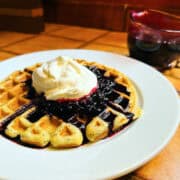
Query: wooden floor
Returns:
{"type": "Point", "coordinates": [166, 165]}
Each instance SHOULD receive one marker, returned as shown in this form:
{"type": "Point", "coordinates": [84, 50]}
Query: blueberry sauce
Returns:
{"type": "Point", "coordinates": [107, 116]}
{"type": "Point", "coordinates": [31, 93]}
{"type": "Point", "coordinates": [35, 115]}
{"type": "Point", "coordinates": [121, 88]}
{"type": "Point", "coordinates": [122, 101]}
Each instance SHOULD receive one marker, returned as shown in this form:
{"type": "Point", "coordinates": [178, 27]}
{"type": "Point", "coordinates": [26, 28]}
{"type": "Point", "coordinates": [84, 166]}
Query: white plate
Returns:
{"type": "Point", "coordinates": [113, 156]}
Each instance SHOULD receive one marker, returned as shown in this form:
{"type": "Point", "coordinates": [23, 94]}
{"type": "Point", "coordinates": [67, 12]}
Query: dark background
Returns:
{"type": "Point", "coordinates": [106, 14]}
{"type": "Point", "coordinates": [27, 16]}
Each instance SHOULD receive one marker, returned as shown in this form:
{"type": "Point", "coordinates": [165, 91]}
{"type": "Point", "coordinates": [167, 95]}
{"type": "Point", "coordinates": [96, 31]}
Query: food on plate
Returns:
{"type": "Point", "coordinates": [66, 102]}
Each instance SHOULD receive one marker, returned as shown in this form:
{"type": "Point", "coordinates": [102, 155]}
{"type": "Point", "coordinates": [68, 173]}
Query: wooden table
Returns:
{"type": "Point", "coordinates": [166, 165]}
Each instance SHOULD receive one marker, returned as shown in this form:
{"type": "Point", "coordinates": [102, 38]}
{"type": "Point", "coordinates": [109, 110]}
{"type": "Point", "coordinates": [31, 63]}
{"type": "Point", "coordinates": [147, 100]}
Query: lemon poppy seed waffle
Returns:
{"type": "Point", "coordinates": [30, 118]}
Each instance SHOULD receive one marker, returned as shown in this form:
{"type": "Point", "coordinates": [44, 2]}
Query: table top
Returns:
{"type": "Point", "coordinates": [166, 165]}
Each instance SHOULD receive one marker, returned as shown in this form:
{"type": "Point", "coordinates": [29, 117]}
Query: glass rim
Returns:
{"type": "Point", "coordinates": [156, 11]}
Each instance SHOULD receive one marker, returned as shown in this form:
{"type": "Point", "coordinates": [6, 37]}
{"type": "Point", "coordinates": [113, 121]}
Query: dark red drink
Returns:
{"type": "Point", "coordinates": [154, 38]}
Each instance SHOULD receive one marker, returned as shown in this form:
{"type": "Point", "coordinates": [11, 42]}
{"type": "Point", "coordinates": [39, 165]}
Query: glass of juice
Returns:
{"type": "Point", "coordinates": [154, 38]}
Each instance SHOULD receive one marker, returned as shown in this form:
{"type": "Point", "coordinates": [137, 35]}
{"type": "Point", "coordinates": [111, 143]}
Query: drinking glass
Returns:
{"type": "Point", "coordinates": [154, 38]}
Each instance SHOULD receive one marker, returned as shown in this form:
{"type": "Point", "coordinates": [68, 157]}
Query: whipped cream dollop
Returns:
{"type": "Point", "coordinates": [63, 78]}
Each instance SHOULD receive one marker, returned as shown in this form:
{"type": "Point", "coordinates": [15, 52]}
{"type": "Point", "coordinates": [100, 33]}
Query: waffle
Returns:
{"type": "Point", "coordinates": [31, 121]}
{"type": "Point", "coordinates": [12, 94]}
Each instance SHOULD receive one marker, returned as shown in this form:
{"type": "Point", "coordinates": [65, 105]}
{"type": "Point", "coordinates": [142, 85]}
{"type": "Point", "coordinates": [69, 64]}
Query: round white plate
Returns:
{"type": "Point", "coordinates": [113, 156]}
